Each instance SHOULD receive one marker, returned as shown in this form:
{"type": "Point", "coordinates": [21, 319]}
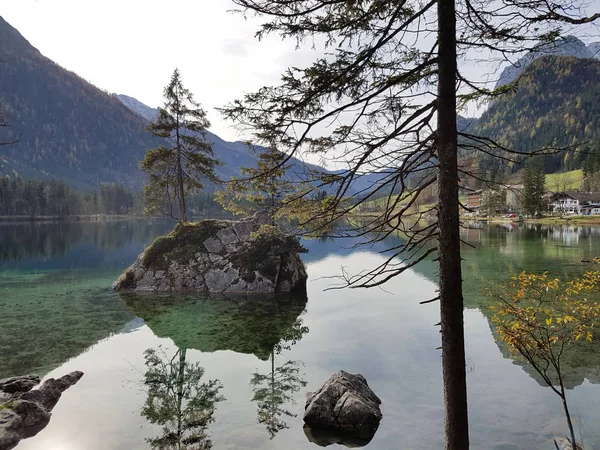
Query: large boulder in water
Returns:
{"type": "Point", "coordinates": [219, 256]}
{"type": "Point", "coordinates": [344, 411]}
{"type": "Point", "coordinates": [25, 412]}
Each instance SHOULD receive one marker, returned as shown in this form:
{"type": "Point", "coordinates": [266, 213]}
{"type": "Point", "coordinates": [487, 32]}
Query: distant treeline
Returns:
{"type": "Point", "coordinates": [34, 198]}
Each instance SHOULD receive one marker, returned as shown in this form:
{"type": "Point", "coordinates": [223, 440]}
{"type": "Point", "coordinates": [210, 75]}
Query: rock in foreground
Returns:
{"type": "Point", "coordinates": [219, 256]}
{"type": "Point", "coordinates": [344, 411]}
{"type": "Point", "coordinates": [25, 412]}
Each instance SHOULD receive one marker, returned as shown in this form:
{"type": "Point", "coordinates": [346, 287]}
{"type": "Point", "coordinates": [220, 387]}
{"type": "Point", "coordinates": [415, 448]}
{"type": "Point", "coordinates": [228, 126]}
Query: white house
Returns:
{"type": "Point", "coordinates": [574, 202]}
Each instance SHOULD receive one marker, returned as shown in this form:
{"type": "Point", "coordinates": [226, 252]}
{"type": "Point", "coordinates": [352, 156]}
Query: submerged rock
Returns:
{"type": "Point", "coordinates": [25, 412]}
{"type": "Point", "coordinates": [344, 411]}
{"type": "Point", "coordinates": [219, 256]}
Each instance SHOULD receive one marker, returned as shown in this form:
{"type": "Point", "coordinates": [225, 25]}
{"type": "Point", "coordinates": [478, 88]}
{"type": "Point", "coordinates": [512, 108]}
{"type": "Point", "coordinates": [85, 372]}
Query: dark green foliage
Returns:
{"type": "Point", "coordinates": [591, 167]}
{"type": "Point", "coordinates": [19, 197]}
{"type": "Point", "coordinates": [204, 204]}
{"type": "Point", "coordinates": [181, 244]}
{"type": "Point", "coordinates": [555, 104]}
{"type": "Point", "coordinates": [66, 127]}
{"type": "Point", "coordinates": [179, 401]}
{"type": "Point", "coordinates": [178, 167]}
{"type": "Point", "coordinates": [534, 181]}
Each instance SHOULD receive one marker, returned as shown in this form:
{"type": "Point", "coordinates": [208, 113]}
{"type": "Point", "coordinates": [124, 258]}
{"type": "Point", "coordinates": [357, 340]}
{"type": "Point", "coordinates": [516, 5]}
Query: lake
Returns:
{"type": "Point", "coordinates": [58, 314]}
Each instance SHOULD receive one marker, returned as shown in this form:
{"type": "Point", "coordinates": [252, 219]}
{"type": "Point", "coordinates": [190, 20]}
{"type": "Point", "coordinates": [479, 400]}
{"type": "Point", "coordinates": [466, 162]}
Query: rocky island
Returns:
{"type": "Point", "coordinates": [219, 256]}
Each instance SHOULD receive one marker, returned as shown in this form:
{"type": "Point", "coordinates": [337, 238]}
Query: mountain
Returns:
{"type": "Point", "coordinates": [557, 101]}
{"type": "Point", "coordinates": [69, 129]}
{"type": "Point", "coordinates": [563, 46]}
{"type": "Point", "coordinates": [66, 128]}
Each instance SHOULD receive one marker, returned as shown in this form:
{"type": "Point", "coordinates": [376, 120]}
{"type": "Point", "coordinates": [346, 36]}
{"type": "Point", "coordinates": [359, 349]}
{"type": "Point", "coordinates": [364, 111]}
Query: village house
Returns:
{"type": "Point", "coordinates": [506, 198]}
{"type": "Point", "coordinates": [474, 200]}
{"type": "Point", "coordinates": [574, 202]}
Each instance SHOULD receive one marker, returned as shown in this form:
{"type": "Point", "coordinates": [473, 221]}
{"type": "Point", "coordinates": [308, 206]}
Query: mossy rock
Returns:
{"type": "Point", "coordinates": [181, 244]}
{"type": "Point", "coordinates": [219, 256]}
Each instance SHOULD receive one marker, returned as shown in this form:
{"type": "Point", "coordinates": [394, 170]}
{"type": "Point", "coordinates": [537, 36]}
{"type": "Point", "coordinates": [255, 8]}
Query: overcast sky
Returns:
{"type": "Point", "coordinates": [132, 46]}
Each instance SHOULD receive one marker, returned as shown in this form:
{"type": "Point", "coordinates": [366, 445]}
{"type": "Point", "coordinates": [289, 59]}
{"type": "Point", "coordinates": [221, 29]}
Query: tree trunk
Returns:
{"type": "Point", "coordinates": [181, 194]}
{"type": "Point", "coordinates": [451, 300]}
{"type": "Point", "coordinates": [180, 383]}
{"type": "Point", "coordinates": [563, 397]}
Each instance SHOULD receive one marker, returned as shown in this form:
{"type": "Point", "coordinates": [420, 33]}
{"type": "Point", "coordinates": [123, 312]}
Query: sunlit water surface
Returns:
{"type": "Point", "coordinates": [58, 315]}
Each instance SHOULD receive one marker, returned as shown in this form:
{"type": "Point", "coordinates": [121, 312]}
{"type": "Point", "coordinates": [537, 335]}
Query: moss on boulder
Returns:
{"type": "Point", "coordinates": [219, 256]}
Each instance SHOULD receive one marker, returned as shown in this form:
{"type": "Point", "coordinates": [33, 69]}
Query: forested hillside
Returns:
{"type": "Point", "coordinates": [556, 103]}
{"type": "Point", "coordinates": [67, 128]}
{"type": "Point", "coordinates": [70, 130]}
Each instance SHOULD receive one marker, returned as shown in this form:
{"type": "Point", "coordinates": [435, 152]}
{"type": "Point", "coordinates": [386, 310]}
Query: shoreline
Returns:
{"type": "Point", "coordinates": [92, 218]}
{"type": "Point", "coordinates": [75, 218]}
{"type": "Point", "coordinates": [550, 220]}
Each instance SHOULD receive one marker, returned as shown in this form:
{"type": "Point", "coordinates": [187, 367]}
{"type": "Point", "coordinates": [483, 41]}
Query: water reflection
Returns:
{"type": "Point", "coordinates": [55, 279]}
{"type": "Point", "coordinates": [325, 438]}
{"type": "Point", "coordinates": [579, 363]}
{"type": "Point", "coordinates": [179, 401]}
{"type": "Point", "coordinates": [251, 325]}
{"type": "Point", "coordinates": [23, 242]}
{"type": "Point", "coordinates": [55, 308]}
{"type": "Point", "coordinates": [535, 248]}
{"type": "Point", "coordinates": [265, 326]}
{"type": "Point", "coordinates": [274, 391]}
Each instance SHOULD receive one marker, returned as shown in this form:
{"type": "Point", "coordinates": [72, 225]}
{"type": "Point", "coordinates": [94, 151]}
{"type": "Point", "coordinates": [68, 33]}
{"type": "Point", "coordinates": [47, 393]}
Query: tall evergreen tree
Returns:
{"type": "Point", "coordinates": [176, 168]}
{"type": "Point", "coordinates": [534, 182]}
{"type": "Point", "coordinates": [392, 93]}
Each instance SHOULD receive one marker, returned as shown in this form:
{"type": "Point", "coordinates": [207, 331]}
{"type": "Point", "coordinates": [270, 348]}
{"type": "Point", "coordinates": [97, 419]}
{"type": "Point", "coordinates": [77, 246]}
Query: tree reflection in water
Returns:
{"type": "Point", "coordinates": [275, 390]}
{"type": "Point", "coordinates": [179, 401]}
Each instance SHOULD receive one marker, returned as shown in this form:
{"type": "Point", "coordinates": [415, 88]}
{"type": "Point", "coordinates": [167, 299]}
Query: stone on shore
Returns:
{"type": "Point", "coordinates": [25, 412]}
{"type": "Point", "coordinates": [344, 411]}
{"type": "Point", "coordinates": [219, 256]}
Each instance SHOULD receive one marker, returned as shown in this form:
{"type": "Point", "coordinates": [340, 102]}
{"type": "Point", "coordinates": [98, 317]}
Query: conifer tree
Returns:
{"type": "Point", "coordinates": [534, 182]}
{"type": "Point", "coordinates": [179, 166]}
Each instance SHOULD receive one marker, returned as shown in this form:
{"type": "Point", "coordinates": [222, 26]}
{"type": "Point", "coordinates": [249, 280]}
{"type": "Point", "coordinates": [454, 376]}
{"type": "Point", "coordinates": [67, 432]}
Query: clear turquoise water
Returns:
{"type": "Point", "coordinates": [58, 314]}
